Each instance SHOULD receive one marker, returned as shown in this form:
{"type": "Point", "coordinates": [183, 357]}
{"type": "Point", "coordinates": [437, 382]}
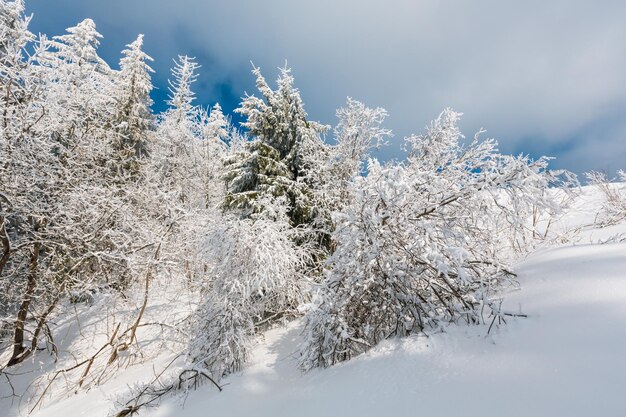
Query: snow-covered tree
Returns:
{"type": "Point", "coordinates": [79, 85]}
{"type": "Point", "coordinates": [79, 48]}
{"type": "Point", "coordinates": [216, 136]}
{"type": "Point", "coordinates": [134, 118]}
{"type": "Point", "coordinates": [181, 96]}
{"type": "Point", "coordinates": [214, 125]}
{"type": "Point", "coordinates": [274, 162]}
{"type": "Point", "coordinates": [70, 225]}
{"type": "Point", "coordinates": [256, 278]}
{"type": "Point", "coordinates": [23, 193]}
{"type": "Point", "coordinates": [358, 131]}
{"type": "Point", "coordinates": [191, 143]}
{"type": "Point", "coordinates": [416, 246]}
{"type": "Point", "coordinates": [175, 156]}
{"type": "Point", "coordinates": [183, 171]}
{"type": "Point", "coordinates": [14, 35]}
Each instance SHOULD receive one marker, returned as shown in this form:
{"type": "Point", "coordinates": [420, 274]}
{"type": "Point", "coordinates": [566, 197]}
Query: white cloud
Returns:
{"type": "Point", "coordinates": [520, 69]}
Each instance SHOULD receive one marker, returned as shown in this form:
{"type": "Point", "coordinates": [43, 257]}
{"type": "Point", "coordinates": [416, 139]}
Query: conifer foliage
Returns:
{"type": "Point", "coordinates": [133, 116]}
{"type": "Point", "coordinates": [274, 163]}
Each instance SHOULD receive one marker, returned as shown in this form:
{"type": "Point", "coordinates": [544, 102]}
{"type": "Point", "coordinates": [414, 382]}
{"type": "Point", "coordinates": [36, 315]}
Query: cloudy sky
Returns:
{"type": "Point", "coordinates": [543, 77]}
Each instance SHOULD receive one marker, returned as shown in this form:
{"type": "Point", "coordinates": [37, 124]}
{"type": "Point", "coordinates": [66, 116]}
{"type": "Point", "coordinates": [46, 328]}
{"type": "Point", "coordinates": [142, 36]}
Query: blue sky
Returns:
{"type": "Point", "coordinates": [541, 77]}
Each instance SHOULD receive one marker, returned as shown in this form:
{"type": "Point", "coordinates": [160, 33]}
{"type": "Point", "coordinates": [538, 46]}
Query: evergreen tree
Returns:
{"type": "Point", "coordinates": [274, 163]}
{"type": "Point", "coordinates": [79, 48]}
{"type": "Point", "coordinates": [177, 140]}
{"type": "Point", "coordinates": [134, 118]}
{"type": "Point", "coordinates": [79, 85]}
{"type": "Point", "coordinates": [215, 125]}
{"type": "Point", "coordinates": [181, 96]}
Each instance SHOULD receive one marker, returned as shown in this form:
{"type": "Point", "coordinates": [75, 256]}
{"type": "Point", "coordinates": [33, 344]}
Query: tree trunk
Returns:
{"type": "Point", "coordinates": [6, 244]}
{"type": "Point", "coordinates": [19, 351]}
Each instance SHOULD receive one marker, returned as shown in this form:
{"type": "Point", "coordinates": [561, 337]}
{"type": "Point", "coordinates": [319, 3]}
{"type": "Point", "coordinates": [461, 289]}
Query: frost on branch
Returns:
{"type": "Point", "coordinates": [358, 131]}
{"type": "Point", "coordinates": [417, 246]}
{"type": "Point", "coordinates": [255, 278]}
{"type": "Point", "coordinates": [613, 208]}
{"type": "Point", "coordinates": [274, 163]}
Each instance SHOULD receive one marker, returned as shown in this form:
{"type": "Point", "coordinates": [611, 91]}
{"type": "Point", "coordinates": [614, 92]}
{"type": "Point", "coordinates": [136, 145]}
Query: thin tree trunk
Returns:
{"type": "Point", "coordinates": [4, 236]}
{"type": "Point", "coordinates": [6, 244]}
{"type": "Point", "coordinates": [18, 338]}
{"type": "Point", "coordinates": [133, 330]}
{"type": "Point", "coordinates": [42, 322]}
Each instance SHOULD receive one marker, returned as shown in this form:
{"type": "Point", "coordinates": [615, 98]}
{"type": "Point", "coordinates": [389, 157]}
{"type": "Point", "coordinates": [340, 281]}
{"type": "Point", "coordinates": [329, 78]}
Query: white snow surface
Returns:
{"type": "Point", "coordinates": [565, 359]}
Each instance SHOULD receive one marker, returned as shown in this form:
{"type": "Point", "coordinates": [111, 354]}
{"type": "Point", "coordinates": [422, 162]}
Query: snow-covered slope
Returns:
{"type": "Point", "coordinates": [566, 358]}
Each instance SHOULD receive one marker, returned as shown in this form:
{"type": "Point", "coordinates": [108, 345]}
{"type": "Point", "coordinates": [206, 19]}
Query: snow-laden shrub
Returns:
{"type": "Point", "coordinates": [256, 261]}
{"type": "Point", "coordinates": [613, 208]}
{"type": "Point", "coordinates": [254, 278]}
{"type": "Point", "coordinates": [221, 338]}
{"type": "Point", "coordinates": [418, 245]}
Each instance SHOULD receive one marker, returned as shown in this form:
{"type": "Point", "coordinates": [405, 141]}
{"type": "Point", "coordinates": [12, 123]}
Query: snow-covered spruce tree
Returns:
{"type": "Point", "coordinates": [274, 162]}
{"type": "Point", "coordinates": [416, 246]}
{"type": "Point", "coordinates": [133, 118]}
{"type": "Point", "coordinates": [256, 278]}
{"type": "Point", "coordinates": [258, 250]}
{"type": "Point", "coordinates": [184, 167]}
{"type": "Point", "coordinates": [192, 143]}
{"type": "Point", "coordinates": [285, 177]}
{"type": "Point", "coordinates": [183, 150]}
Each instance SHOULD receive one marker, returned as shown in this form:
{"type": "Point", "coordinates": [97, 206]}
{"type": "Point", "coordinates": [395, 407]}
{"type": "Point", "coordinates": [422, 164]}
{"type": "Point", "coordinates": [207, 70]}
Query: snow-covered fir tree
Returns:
{"type": "Point", "coordinates": [133, 119]}
{"type": "Point", "coordinates": [274, 162]}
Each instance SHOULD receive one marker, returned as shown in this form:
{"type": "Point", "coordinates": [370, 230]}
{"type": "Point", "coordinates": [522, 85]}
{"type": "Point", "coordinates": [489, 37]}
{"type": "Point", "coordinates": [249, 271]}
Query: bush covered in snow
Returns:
{"type": "Point", "coordinates": [614, 197]}
{"type": "Point", "coordinates": [418, 245]}
{"type": "Point", "coordinates": [254, 277]}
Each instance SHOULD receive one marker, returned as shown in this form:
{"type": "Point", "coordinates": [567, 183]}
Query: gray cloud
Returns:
{"type": "Point", "coordinates": [528, 69]}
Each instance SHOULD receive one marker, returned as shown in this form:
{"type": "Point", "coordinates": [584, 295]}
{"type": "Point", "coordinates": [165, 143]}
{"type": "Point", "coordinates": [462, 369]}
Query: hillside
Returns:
{"type": "Point", "coordinates": [564, 358]}
{"type": "Point", "coordinates": [202, 241]}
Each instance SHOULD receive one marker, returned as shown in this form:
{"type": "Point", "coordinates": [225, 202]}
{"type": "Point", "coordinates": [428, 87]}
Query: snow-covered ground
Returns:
{"type": "Point", "coordinates": [565, 359]}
